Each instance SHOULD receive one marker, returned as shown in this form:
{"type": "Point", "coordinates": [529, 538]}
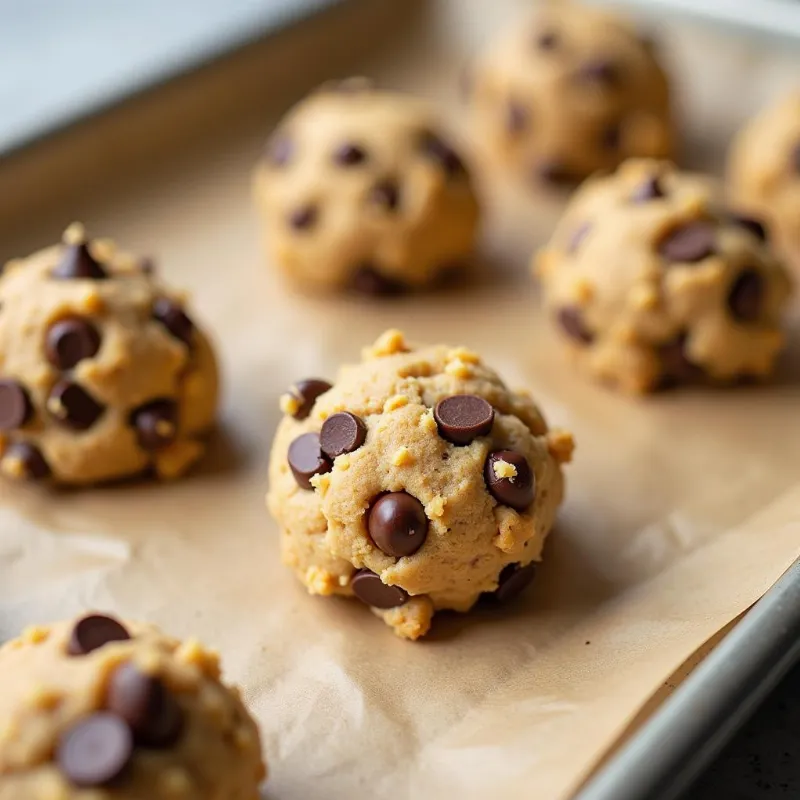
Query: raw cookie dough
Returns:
{"type": "Point", "coordinates": [102, 373]}
{"type": "Point", "coordinates": [100, 710]}
{"type": "Point", "coordinates": [573, 91]}
{"type": "Point", "coordinates": [359, 189]}
{"type": "Point", "coordinates": [416, 482]}
{"type": "Point", "coordinates": [652, 283]}
{"type": "Point", "coordinates": [764, 172]}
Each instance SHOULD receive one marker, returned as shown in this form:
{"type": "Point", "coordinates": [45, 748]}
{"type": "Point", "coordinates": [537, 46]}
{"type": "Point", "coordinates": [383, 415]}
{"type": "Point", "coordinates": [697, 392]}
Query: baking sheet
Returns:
{"type": "Point", "coordinates": [682, 510]}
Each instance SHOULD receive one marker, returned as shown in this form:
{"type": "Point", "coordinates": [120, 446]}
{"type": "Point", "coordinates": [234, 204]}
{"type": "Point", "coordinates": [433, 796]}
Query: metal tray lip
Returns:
{"type": "Point", "coordinates": [710, 706]}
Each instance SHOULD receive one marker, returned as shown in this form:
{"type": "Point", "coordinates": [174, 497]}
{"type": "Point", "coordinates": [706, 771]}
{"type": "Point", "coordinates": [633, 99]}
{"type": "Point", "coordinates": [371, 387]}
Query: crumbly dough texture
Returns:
{"type": "Point", "coordinates": [640, 320]}
{"type": "Point", "coordinates": [139, 360]}
{"type": "Point", "coordinates": [573, 90]}
{"type": "Point", "coordinates": [471, 536]}
{"type": "Point", "coordinates": [46, 692]}
{"type": "Point", "coordinates": [764, 172]}
{"type": "Point", "coordinates": [359, 189]}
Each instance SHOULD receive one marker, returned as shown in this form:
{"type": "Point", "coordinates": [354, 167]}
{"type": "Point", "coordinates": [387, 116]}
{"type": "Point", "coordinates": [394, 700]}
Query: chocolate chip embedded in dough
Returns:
{"type": "Point", "coordinates": [367, 279]}
{"type": "Point", "coordinates": [73, 406]}
{"type": "Point", "coordinates": [156, 423]}
{"type": "Point", "coordinates": [70, 340]}
{"type": "Point", "coordinates": [746, 297]}
{"type": "Point", "coordinates": [649, 189]}
{"type": "Point", "coordinates": [370, 589]}
{"type": "Point", "coordinates": [437, 150]}
{"type": "Point", "coordinates": [172, 316]}
{"type": "Point", "coordinates": [303, 218]}
{"type": "Point", "coordinates": [32, 463]}
{"type": "Point", "coordinates": [306, 459]}
{"type": "Point", "coordinates": [513, 580]}
{"type": "Point", "coordinates": [691, 242]}
{"type": "Point", "coordinates": [755, 226]}
{"type": "Point", "coordinates": [676, 365]}
{"type": "Point", "coordinates": [385, 194]}
{"type": "Point", "coordinates": [342, 433]}
{"type": "Point", "coordinates": [94, 631]}
{"type": "Point", "coordinates": [77, 262]}
{"type": "Point", "coordinates": [15, 405]}
{"type": "Point", "coordinates": [570, 319]}
{"type": "Point", "coordinates": [307, 391]}
{"type": "Point", "coordinates": [600, 71]}
{"type": "Point", "coordinates": [517, 490]}
{"type": "Point", "coordinates": [397, 524]}
{"type": "Point", "coordinates": [462, 418]}
{"type": "Point", "coordinates": [349, 155]}
{"type": "Point", "coordinates": [95, 750]}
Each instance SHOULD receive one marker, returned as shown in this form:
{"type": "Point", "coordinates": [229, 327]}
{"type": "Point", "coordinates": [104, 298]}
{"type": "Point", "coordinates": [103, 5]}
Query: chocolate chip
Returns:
{"type": "Point", "coordinates": [306, 459]}
{"type": "Point", "coordinates": [756, 227]}
{"type": "Point", "coordinates": [73, 406]}
{"type": "Point", "coordinates": [342, 433]}
{"type": "Point", "coordinates": [172, 316]}
{"type": "Point", "coordinates": [546, 40]}
{"type": "Point", "coordinates": [599, 71]}
{"type": "Point", "coordinates": [15, 405]}
{"type": "Point", "coordinates": [676, 366]}
{"type": "Point", "coordinates": [436, 149]}
{"type": "Point", "coordinates": [385, 194]}
{"type": "Point", "coordinates": [279, 150]}
{"type": "Point", "coordinates": [96, 750]}
{"type": "Point", "coordinates": [611, 137]}
{"type": "Point", "coordinates": [69, 341]}
{"type": "Point", "coordinates": [156, 423]}
{"type": "Point", "coordinates": [516, 117]}
{"type": "Point", "coordinates": [462, 418]}
{"type": "Point", "coordinates": [397, 524]}
{"type": "Point", "coordinates": [691, 242]}
{"type": "Point", "coordinates": [303, 218]}
{"type": "Point", "coordinates": [307, 392]}
{"type": "Point", "coordinates": [513, 579]}
{"type": "Point", "coordinates": [349, 155]}
{"type": "Point", "coordinates": [570, 318]}
{"type": "Point", "coordinates": [746, 296]}
{"type": "Point", "coordinates": [370, 589]}
{"type": "Point", "coordinates": [553, 172]}
{"type": "Point", "coordinates": [78, 262]}
{"type": "Point", "coordinates": [93, 631]}
{"type": "Point", "coordinates": [368, 280]}
{"type": "Point", "coordinates": [149, 708]}
{"type": "Point", "coordinates": [31, 460]}
{"type": "Point", "coordinates": [578, 235]}
{"type": "Point", "coordinates": [648, 189]}
{"type": "Point", "coordinates": [517, 490]}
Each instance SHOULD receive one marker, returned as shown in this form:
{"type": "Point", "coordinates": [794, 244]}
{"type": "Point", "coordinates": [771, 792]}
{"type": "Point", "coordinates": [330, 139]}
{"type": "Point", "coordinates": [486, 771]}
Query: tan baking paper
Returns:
{"type": "Point", "coordinates": [682, 509]}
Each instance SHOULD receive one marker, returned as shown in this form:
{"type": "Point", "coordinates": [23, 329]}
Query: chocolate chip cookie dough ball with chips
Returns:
{"type": "Point", "coordinates": [573, 91]}
{"type": "Point", "coordinates": [103, 374]}
{"type": "Point", "coordinates": [416, 482]}
{"type": "Point", "coordinates": [360, 189]}
{"type": "Point", "coordinates": [653, 284]}
{"type": "Point", "coordinates": [97, 709]}
{"type": "Point", "coordinates": [764, 172]}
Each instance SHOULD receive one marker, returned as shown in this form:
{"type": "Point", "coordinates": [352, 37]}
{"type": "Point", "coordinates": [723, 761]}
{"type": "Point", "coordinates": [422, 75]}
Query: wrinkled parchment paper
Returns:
{"type": "Point", "coordinates": [682, 509]}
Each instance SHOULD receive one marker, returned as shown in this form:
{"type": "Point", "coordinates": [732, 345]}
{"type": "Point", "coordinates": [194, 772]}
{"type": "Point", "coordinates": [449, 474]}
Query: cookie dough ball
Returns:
{"type": "Point", "coordinates": [652, 283]}
{"type": "Point", "coordinates": [100, 710]}
{"type": "Point", "coordinates": [103, 374]}
{"type": "Point", "coordinates": [416, 482]}
{"type": "Point", "coordinates": [764, 172]}
{"type": "Point", "coordinates": [574, 91]}
{"type": "Point", "coordinates": [360, 189]}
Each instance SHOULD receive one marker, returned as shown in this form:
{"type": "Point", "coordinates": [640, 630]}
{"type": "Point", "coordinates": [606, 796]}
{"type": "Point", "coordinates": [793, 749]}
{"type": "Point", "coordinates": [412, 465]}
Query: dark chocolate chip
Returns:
{"type": "Point", "coordinates": [385, 194]}
{"type": "Point", "coordinates": [279, 150]}
{"type": "Point", "coordinates": [578, 235]}
{"type": "Point", "coordinates": [69, 341]}
{"type": "Point", "coordinates": [553, 172]}
{"type": "Point", "coordinates": [172, 316]}
{"type": "Point", "coordinates": [370, 589]}
{"type": "Point", "coordinates": [649, 189]}
{"type": "Point", "coordinates": [746, 297]}
{"type": "Point", "coordinates": [145, 703]}
{"type": "Point", "coordinates": [73, 406]}
{"type": "Point", "coordinates": [397, 524]}
{"type": "Point", "coordinates": [516, 117]}
{"type": "Point", "coordinates": [31, 460]}
{"type": "Point", "coordinates": [78, 262]}
{"type": "Point", "coordinates": [546, 40]}
{"type": "Point", "coordinates": [676, 366]}
{"type": "Point", "coordinates": [96, 750]}
{"type": "Point", "coordinates": [517, 491]}
{"type": "Point", "coordinates": [349, 155]}
{"type": "Point", "coordinates": [156, 423]}
{"type": "Point", "coordinates": [691, 242]}
{"type": "Point", "coordinates": [462, 418]}
{"type": "Point", "coordinates": [307, 392]}
{"type": "Point", "coordinates": [306, 459]}
{"type": "Point", "coordinates": [513, 579]}
{"type": "Point", "coordinates": [303, 218]}
{"type": "Point", "coordinates": [436, 149]}
{"type": "Point", "coordinates": [368, 280]}
{"type": "Point", "coordinates": [342, 433]}
{"type": "Point", "coordinates": [755, 226]}
{"type": "Point", "coordinates": [15, 405]}
{"type": "Point", "coordinates": [599, 71]}
{"type": "Point", "coordinates": [570, 318]}
{"type": "Point", "coordinates": [93, 631]}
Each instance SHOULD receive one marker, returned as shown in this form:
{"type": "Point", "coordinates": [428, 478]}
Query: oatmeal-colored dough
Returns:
{"type": "Point", "coordinates": [47, 692]}
{"type": "Point", "coordinates": [471, 536]}
{"type": "Point", "coordinates": [139, 359]}
{"type": "Point", "coordinates": [640, 318]}
{"type": "Point", "coordinates": [570, 92]}
{"type": "Point", "coordinates": [764, 172]}
{"type": "Point", "coordinates": [359, 189]}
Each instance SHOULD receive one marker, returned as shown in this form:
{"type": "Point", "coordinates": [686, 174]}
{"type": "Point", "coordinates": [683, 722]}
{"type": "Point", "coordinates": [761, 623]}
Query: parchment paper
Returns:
{"type": "Point", "coordinates": [682, 509]}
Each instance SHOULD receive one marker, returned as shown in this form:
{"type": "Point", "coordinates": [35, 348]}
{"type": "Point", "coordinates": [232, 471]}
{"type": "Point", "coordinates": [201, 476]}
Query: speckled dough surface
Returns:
{"type": "Point", "coordinates": [101, 710]}
{"type": "Point", "coordinates": [764, 172]}
{"type": "Point", "coordinates": [102, 373]}
{"type": "Point", "coordinates": [359, 189]}
{"type": "Point", "coordinates": [653, 283]}
{"type": "Point", "coordinates": [574, 90]}
{"type": "Point", "coordinates": [417, 482]}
